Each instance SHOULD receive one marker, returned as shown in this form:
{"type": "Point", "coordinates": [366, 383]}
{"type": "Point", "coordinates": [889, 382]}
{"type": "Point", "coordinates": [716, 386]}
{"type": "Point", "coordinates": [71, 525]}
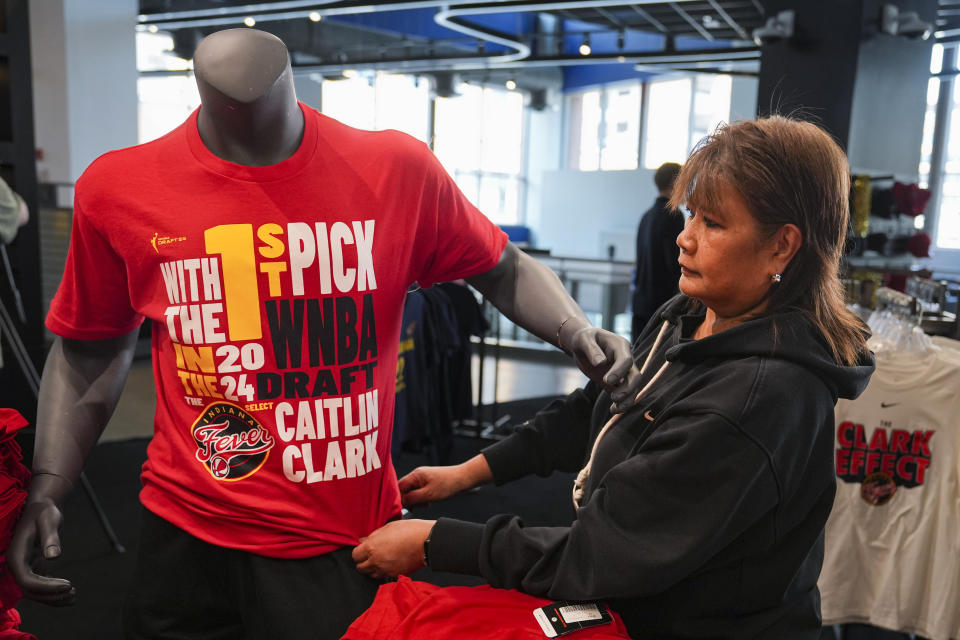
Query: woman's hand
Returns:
{"type": "Point", "coordinates": [395, 548]}
{"type": "Point", "coordinates": [432, 484]}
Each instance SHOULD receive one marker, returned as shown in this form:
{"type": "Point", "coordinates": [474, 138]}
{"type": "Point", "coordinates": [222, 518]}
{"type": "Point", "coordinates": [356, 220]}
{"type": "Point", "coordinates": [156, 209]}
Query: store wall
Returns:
{"type": "Point", "coordinates": [50, 105]}
{"type": "Point", "coordinates": [85, 82]}
{"type": "Point", "coordinates": [743, 98]}
{"type": "Point", "coordinates": [583, 212]}
{"type": "Point", "coordinates": [309, 88]}
{"type": "Point", "coordinates": [889, 100]}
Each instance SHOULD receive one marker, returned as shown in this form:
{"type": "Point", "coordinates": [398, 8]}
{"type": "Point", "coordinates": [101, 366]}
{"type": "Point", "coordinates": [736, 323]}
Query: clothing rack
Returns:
{"type": "Point", "coordinates": [479, 427]}
{"type": "Point", "coordinates": [931, 296]}
{"type": "Point", "coordinates": [899, 303]}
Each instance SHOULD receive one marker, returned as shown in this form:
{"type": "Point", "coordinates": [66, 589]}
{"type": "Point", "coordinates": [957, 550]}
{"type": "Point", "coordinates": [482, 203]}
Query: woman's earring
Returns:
{"type": "Point", "coordinates": [777, 277]}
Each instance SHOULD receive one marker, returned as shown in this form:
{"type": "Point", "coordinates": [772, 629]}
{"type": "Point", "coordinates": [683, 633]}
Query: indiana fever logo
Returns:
{"type": "Point", "coordinates": [230, 442]}
{"type": "Point", "coordinates": [887, 460]}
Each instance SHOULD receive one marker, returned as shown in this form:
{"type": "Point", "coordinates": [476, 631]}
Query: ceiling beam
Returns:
{"type": "Point", "coordinates": [646, 16]}
{"type": "Point", "coordinates": [693, 23]}
{"type": "Point", "coordinates": [730, 21]}
{"type": "Point", "coordinates": [609, 17]}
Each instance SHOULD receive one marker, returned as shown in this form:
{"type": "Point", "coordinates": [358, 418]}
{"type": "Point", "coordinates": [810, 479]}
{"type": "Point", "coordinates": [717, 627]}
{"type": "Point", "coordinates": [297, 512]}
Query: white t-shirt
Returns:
{"type": "Point", "coordinates": [893, 537]}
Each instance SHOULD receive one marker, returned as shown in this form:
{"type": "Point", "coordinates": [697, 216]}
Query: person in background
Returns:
{"type": "Point", "coordinates": [13, 213]}
{"type": "Point", "coordinates": [657, 272]}
{"type": "Point", "coordinates": [701, 510]}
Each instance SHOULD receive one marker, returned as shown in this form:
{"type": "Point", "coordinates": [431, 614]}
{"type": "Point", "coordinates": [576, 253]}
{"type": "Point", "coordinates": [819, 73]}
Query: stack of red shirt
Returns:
{"type": "Point", "coordinates": [408, 610]}
{"type": "Point", "coordinates": [14, 477]}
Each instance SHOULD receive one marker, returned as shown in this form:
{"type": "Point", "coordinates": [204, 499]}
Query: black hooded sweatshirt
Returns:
{"type": "Point", "coordinates": [704, 511]}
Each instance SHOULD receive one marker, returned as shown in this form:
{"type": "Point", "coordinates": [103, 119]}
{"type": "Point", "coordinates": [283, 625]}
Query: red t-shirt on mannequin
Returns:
{"type": "Point", "coordinates": [276, 294]}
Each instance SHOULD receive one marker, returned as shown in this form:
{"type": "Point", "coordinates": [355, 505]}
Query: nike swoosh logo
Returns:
{"type": "Point", "coordinates": [887, 405]}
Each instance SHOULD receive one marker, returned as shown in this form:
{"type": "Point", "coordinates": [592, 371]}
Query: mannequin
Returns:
{"type": "Point", "coordinates": [249, 116]}
{"type": "Point", "coordinates": [250, 119]}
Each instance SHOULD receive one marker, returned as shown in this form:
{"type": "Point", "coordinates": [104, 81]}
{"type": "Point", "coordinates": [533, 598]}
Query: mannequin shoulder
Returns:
{"type": "Point", "coordinates": [128, 160]}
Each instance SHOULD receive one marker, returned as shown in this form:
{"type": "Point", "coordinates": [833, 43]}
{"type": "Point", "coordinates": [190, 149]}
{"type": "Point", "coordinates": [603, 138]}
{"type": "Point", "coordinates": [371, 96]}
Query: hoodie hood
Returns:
{"type": "Point", "coordinates": [788, 336]}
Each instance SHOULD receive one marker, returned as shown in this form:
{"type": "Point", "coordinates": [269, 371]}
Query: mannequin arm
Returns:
{"type": "Point", "coordinates": [81, 385]}
{"type": "Point", "coordinates": [532, 296]}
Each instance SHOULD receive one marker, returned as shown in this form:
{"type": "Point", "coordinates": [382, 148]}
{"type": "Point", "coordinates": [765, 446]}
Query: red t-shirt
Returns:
{"type": "Point", "coordinates": [276, 294]}
{"type": "Point", "coordinates": [411, 610]}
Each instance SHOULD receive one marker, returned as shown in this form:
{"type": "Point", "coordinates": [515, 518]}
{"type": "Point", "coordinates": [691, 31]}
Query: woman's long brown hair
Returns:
{"type": "Point", "coordinates": [788, 172]}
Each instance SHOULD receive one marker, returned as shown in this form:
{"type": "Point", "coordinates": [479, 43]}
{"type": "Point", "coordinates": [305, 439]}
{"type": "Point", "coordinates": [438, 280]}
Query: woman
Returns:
{"type": "Point", "coordinates": [702, 507]}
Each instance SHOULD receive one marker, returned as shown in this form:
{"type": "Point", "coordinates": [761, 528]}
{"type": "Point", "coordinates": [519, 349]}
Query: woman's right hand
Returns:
{"type": "Point", "coordinates": [432, 484]}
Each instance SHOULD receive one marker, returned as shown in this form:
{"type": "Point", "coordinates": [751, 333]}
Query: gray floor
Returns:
{"type": "Point", "coordinates": [514, 379]}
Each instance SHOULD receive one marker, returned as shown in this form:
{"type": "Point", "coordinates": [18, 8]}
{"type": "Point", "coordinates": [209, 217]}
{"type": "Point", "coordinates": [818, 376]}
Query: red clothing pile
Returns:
{"type": "Point", "coordinates": [408, 610]}
{"type": "Point", "coordinates": [13, 481]}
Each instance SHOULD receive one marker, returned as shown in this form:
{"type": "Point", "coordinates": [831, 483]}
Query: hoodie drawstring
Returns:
{"type": "Point", "coordinates": [581, 481]}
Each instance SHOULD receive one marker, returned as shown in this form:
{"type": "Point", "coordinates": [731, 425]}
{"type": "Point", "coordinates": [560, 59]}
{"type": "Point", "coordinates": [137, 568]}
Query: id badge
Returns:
{"type": "Point", "coordinates": [560, 618]}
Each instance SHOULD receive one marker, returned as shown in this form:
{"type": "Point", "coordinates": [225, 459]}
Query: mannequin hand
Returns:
{"type": "Point", "coordinates": [606, 358]}
{"type": "Point", "coordinates": [39, 523]}
{"type": "Point", "coordinates": [393, 549]}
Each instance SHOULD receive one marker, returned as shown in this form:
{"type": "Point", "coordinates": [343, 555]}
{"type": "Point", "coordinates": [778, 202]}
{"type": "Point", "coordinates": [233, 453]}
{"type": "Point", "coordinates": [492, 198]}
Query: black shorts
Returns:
{"type": "Point", "coordinates": [188, 589]}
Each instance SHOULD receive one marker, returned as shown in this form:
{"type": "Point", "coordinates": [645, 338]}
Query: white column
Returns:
{"type": "Point", "coordinates": [85, 82]}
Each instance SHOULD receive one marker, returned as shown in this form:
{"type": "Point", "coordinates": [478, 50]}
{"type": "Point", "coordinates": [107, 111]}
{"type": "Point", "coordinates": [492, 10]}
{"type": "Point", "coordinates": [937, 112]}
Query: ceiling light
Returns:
{"type": "Point", "coordinates": [621, 58]}
{"type": "Point", "coordinates": [510, 84]}
{"type": "Point", "coordinates": [153, 28]}
{"type": "Point", "coordinates": [350, 73]}
{"type": "Point", "coordinates": [249, 21]}
{"type": "Point", "coordinates": [315, 16]}
{"type": "Point", "coordinates": [710, 22]}
{"type": "Point", "coordinates": [585, 47]}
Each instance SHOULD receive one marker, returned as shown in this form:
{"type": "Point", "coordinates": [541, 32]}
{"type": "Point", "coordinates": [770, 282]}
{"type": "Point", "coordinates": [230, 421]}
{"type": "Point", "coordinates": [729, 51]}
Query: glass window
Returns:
{"type": "Point", "coordinates": [478, 139]}
{"type": "Point", "coordinates": [591, 115]}
{"type": "Point", "coordinates": [379, 101]}
{"type": "Point", "coordinates": [681, 112]}
{"type": "Point", "coordinates": [351, 100]}
{"type": "Point", "coordinates": [403, 103]}
{"type": "Point", "coordinates": [711, 105]}
{"type": "Point", "coordinates": [668, 122]}
{"type": "Point", "coordinates": [605, 128]}
{"type": "Point", "coordinates": [621, 128]}
{"type": "Point", "coordinates": [929, 120]}
{"type": "Point", "coordinates": [164, 102]}
{"type": "Point", "coordinates": [947, 232]}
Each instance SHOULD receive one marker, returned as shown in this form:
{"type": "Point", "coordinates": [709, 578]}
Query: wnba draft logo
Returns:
{"type": "Point", "coordinates": [158, 241]}
{"type": "Point", "coordinates": [230, 442]}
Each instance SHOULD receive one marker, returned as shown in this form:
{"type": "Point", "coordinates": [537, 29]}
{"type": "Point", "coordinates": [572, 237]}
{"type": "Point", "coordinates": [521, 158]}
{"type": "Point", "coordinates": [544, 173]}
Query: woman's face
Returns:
{"type": "Point", "coordinates": [724, 261]}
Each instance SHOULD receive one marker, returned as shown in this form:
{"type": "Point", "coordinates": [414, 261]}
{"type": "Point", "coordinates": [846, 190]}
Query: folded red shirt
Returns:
{"type": "Point", "coordinates": [409, 610]}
